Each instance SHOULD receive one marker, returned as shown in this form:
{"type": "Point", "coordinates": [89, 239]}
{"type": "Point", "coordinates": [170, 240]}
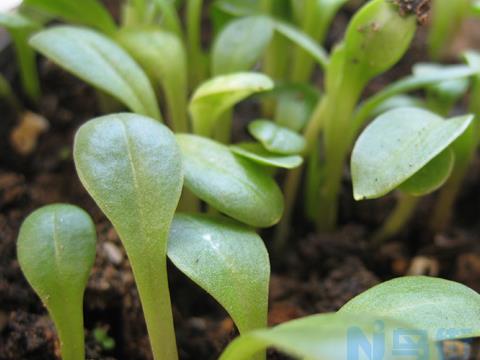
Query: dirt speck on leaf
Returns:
{"type": "Point", "coordinates": [420, 8]}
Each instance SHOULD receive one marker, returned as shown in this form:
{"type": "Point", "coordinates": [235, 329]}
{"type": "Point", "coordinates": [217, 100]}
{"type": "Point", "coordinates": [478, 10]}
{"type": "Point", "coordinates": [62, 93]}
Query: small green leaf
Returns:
{"type": "Point", "coordinates": [99, 61]}
{"type": "Point", "coordinates": [217, 95]}
{"type": "Point", "coordinates": [240, 44]}
{"type": "Point", "coordinates": [257, 153]}
{"type": "Point", "coordinates": [132, 168]}
{"type": "Point", "coordinates": [317, 337]}
{"type": "Point", "coordinates": [303, 41]}
{"type": "Point", "coordinates": [431, 304]}
{"type": "Point", "coordinates": [163, 57]}
{"type": "Point", "coordinates": [229, 183]}
{"type": "Point", "coordinates": [226, 259]}
{"type": "Point", "coordinates": [56, 251]}
{"type": "Point", "coordinates": [86, 12]}
{"type": "Point", "coordinates": [432, 176]}
{"type": "Point", "coordinates": [276, 138]}
{"type": "Point", "coordinates": [397, 145]}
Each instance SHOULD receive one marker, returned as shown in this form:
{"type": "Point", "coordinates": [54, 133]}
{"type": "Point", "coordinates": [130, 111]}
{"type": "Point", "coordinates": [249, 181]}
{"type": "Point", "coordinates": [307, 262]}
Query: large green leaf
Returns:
{"type": "Point", "coordinates": [163, 57]}
{"type": "Point", "coordinates": [214, 97]}
{"type": "Point", "coordinates": [397, 145]}
{"type": "Point", "coordinates": [240, 44]}
{"type": "Point", "coordinates": [86, 12]}
{"type": "Point", "coordinates": [320, 337]}
{"type": "Point", "coordinates": [132, 167]}
{"type": "Point", "coordinates": [56, 252]}
{"type": "Point", "coordinates": [99, 61]}
{"type": "Point", "coordinates": [417, 311]}
{"type": "Point", "coordinates": [257, 153]}
{"type": "Point", "coordinates": [431, 304]}
{"type": "Point", "coordinates": [229, 183]}
{"type": "Point", "coordinates": [276, 138]}
{"type": "Point", "coordinates": [228, 260]}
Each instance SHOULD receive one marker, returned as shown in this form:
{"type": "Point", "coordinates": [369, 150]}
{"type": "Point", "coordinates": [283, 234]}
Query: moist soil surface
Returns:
{"type": "Point", "coordinates": [317, 273]}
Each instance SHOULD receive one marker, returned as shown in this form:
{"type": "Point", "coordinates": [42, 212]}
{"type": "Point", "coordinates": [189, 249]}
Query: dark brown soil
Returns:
{"type": "Point", "coordinates": [319, 273]}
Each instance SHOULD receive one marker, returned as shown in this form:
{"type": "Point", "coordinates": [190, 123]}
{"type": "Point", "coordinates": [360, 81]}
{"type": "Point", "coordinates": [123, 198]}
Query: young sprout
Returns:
{"type": "Point", "coordinates": [405, 148]}
{"type": "Point", "coordinates": [132, 167]}
{"type": "Point", "coordinates": [56, 251]}
{"type": "Point", "coordinates": [377, 314]}
{"type": "Point", "coordinates": [366, 52]}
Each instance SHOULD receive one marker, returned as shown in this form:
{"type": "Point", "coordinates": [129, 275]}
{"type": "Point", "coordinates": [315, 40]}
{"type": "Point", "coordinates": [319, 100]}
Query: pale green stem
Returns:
{"type": "Point", "coordinates": [292, 181]}
{"type": "Point", "coordinates": [196, 61]}
{"type": "Point", "coordinates": [290, 189]}
{"type": "Point", "coordinates": [67, 315]}
{"type": "Point", "coordinates": [397, 220]}
{"type": "Point", "coordinates": [152, 284]}
{"type": "Point", "coordinates": [176, 98]}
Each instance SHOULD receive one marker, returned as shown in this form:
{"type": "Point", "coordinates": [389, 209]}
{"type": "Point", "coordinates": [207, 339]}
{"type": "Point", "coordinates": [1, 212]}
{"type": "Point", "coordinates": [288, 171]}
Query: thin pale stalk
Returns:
{"type": "Point", "coordinates": [68, 319]}
{"type": "Point", "coordinates": [152, 284]}
{"type": "Point", "coordinates": [196, 61]}
{"type": "Point", "coordinates": [397, 220]}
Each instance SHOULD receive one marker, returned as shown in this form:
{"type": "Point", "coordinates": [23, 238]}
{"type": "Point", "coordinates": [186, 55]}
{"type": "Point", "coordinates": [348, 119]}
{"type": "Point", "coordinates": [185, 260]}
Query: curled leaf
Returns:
{"type": "Point", "coordinates": [257, 153]}
{"type": "Point", "coordinates": [276, 138]}
{"type": "Point", "coordinates": [214, 97]}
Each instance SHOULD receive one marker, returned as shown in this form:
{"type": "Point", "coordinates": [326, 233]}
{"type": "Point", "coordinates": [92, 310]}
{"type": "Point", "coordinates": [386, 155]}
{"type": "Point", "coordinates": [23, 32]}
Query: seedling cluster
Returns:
{"type": "Point", "coordinates": [173, 184]}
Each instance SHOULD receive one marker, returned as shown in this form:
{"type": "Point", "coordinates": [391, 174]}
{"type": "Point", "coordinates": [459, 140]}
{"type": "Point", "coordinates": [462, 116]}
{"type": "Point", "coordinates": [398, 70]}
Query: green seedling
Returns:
{"type": "Point", "coordinates": [408, 149]}
{"type": "Point", "coordinates": [105, 341]}
{"type": "Point", "coordinates": [132, 167]}
{"type": "Point", "coordinates": [229, 183]}
{"type": "Point", "coordinates": [403, 303]}
{"type": "Point", "coordinates": [56, 251]}
{"type": "Point", "coordinates": [365, 52]}
{"type": "Point", "coordinates": [99, 61]}
{"type": "Point", "coordinates": [130, 164]}
{"type": "Point", "coordinates": [20, 28]}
